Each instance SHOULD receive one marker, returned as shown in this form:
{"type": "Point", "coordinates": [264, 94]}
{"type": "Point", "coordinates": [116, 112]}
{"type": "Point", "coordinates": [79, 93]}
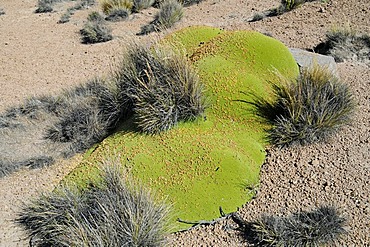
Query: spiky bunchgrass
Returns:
{"type": "Point", "coordinates": [142, 4]}
{"type": "Point", "coordinates": [185, 3]}
{"type": "Point", "coordinates": [95, 31]}
{"type": "Point", "coordinates": [161, 87]}
{"type": "Point", "coordinates": [285, 6]}
{"type": "Point", "coordinates": [95, 16]}
{"type": "Point", "coordinates": [78, 6]}
{"type": "Point", "coordinates": [44, 6]}
{"type": "Point", "coordinates": [7, 167]}
{"type": "Point", "coordinates": [119, 14]}
{"type": "Point", "coordinates": [109, 5]}
{"type": "Point", "coordinates": [116, 212]}
{"type": "Point", "coordinates": [171, 12]}
{"type": "Point", "coordinates": [93, 111]}
{"type": "Point", "coordinates": [321, 226]}
{"type": "Point", "coordinates": [346, 44]}
{"type": "Point", "coordinates": [65, 17]}
{"type": "Point", "coordinates": [309, 109]}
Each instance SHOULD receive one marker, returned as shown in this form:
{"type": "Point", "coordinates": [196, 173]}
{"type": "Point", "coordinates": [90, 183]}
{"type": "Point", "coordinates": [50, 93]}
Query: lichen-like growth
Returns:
{"type": "Point", "coordinates": [209, 162]}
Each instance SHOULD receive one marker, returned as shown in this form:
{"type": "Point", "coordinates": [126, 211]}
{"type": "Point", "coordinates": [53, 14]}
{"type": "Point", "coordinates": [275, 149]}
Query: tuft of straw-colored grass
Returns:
{"type": "Point", "coordinates": [161, 86]}
{"type": "Point", "coordinates": [115, 212]}
{"type": "Point", "coordinates": [108, 6]}
{"type": "Point", "coordinates": [318, 227]}
{"type": "Point", "coordinates": [308, 109]}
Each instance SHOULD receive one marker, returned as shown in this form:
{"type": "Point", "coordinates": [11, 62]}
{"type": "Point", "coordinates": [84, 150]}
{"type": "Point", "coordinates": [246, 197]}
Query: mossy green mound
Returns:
{"type": "Point", "coordinates": [214, 161]}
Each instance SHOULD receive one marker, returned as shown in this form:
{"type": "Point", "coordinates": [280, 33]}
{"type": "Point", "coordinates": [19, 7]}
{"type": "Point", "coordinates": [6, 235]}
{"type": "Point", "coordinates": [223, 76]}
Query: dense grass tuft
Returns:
{"type": "Point", "coordinates": [142, 4]}
{"type": "Point", "coordinates": [118, 15]}
{"type": "Point", "coordinates": [109, 5]}
{"type": "Point", "coordinates": [346, 44]}
{"type": "Point", "coordinates": [171, 12]}
{"type": "Point", "coordinates": [285, 6]}
{"type": "Point", "coordinates": [161, 87]}
{"type": "Point", "coordinates": [116, 212]}
{"type": "Point", "coordinates": [44, 6]}
{"type": "Point", "coordinates": [307, 110]}
{"type": "Point", "coordinates": [93, 111]}
{"type": "Point", "coordinates": [95, 30]}
{"type": "Point", "coordinates": [321, 226]}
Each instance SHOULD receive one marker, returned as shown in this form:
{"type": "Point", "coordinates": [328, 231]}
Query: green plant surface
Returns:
{"type": "Point", "coordinates": [210, 162]}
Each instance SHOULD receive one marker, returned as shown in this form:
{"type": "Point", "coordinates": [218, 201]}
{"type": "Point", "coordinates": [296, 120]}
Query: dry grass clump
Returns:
{"type": "Point", "coordinates": [110, 5]}
{"type": "Point", "coordinates": [162, 88]}
{"type": "Point", "coordinates": [346, 44]}
{"type": "Point", "coordinates": [95, 30]}
{"type": "Point", "coordinates": [44, 6]}
{"type": "Point", "coordinates": [115, 212]}
{"type": "Point", "coordinates": [83, 4]}
{"type": "Point", "coordinates": [142, 4]}
{"type": "Point", "coordinates": [285, 6]}
{"type": "Point", "coordinates": [92, 113]}
{"type": "Point", "coordinates": [316, 228]}
{"type": "Point", "coordinates": [170, 12]}
{"type": "Point", "coordinates": [307, 110]}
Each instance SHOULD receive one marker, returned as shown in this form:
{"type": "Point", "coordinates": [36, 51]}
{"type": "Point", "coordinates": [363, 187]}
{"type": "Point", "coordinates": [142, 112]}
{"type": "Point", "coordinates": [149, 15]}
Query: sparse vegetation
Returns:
{"type": "Point", "coordinates": [44, 6]}
{"type": "Point", "coordinates": [307, 110]}
{"type": "Point", "coordinates": [171, 12]}
{"type": "Point", "coordinates": [93, 111]}
{"type": "Point", "coordinates": [115, 212]}
{"type": "Point", "coordinates": [321, 226]}
{"type": "Point", "coordinates": [142, 4]}
{"type": "Point", "coordinates": [95, 30]}
{"type": "Point", "coordinates": [110, 5]}
{"type": "Point", "coordinates": [346, 44]}
{"type": "Point", "coordinates": [185, 3]}
{"type": "Point", "coordinates": [118, 15]}
{"type": "Point", "coordinates": [70, 11]}
{"type": "Point", "coordinates": [285, 6]}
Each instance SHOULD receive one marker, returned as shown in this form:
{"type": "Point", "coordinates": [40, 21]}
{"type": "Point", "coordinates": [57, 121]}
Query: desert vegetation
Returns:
{"type": "Point", "coordinates": [95, 30]}
{"type": "Point", "coordinates": [157, 88]}
{"type": "Point", "coordinates": [161, 89]}
{"type": "Point", "coordinates": [308, 109]}
{"type": "Point", "coordinates": [285, 6]}
{"type": "Point", "coordinates": [319, 227]}
{"type": "Point", "coordinates": [217, 141]}
{"type": "Point", "coordinates": [180, 163]}
{"type": "Point", "coordinates": [171, 11]}
{"type": "Point", "coordinates": [83, 4]}
{"type": "Point", "coordinates": [115, 212]}
{"type": "Point", "coordinates": [346, 44]}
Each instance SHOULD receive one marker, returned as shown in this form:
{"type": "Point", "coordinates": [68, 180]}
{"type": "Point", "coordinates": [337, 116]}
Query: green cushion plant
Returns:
{"type": "Point", "coordinates": [212, 161]}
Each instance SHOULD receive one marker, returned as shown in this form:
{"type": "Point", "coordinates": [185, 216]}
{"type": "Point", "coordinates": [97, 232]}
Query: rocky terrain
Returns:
{"type": "Point", "coordinates": [39, 56]}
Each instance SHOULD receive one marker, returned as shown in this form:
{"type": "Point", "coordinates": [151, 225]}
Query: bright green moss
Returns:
{"type": "Point", "coordinates": [211, 162]}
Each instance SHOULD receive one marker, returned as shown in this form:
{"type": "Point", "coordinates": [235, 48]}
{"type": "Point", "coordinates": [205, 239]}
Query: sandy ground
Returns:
{"type": "Point", "coordinates": [39, 56]}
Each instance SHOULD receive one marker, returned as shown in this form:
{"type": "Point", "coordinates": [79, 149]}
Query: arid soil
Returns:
{"type": "Point", "coordinates": [39, 56]}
